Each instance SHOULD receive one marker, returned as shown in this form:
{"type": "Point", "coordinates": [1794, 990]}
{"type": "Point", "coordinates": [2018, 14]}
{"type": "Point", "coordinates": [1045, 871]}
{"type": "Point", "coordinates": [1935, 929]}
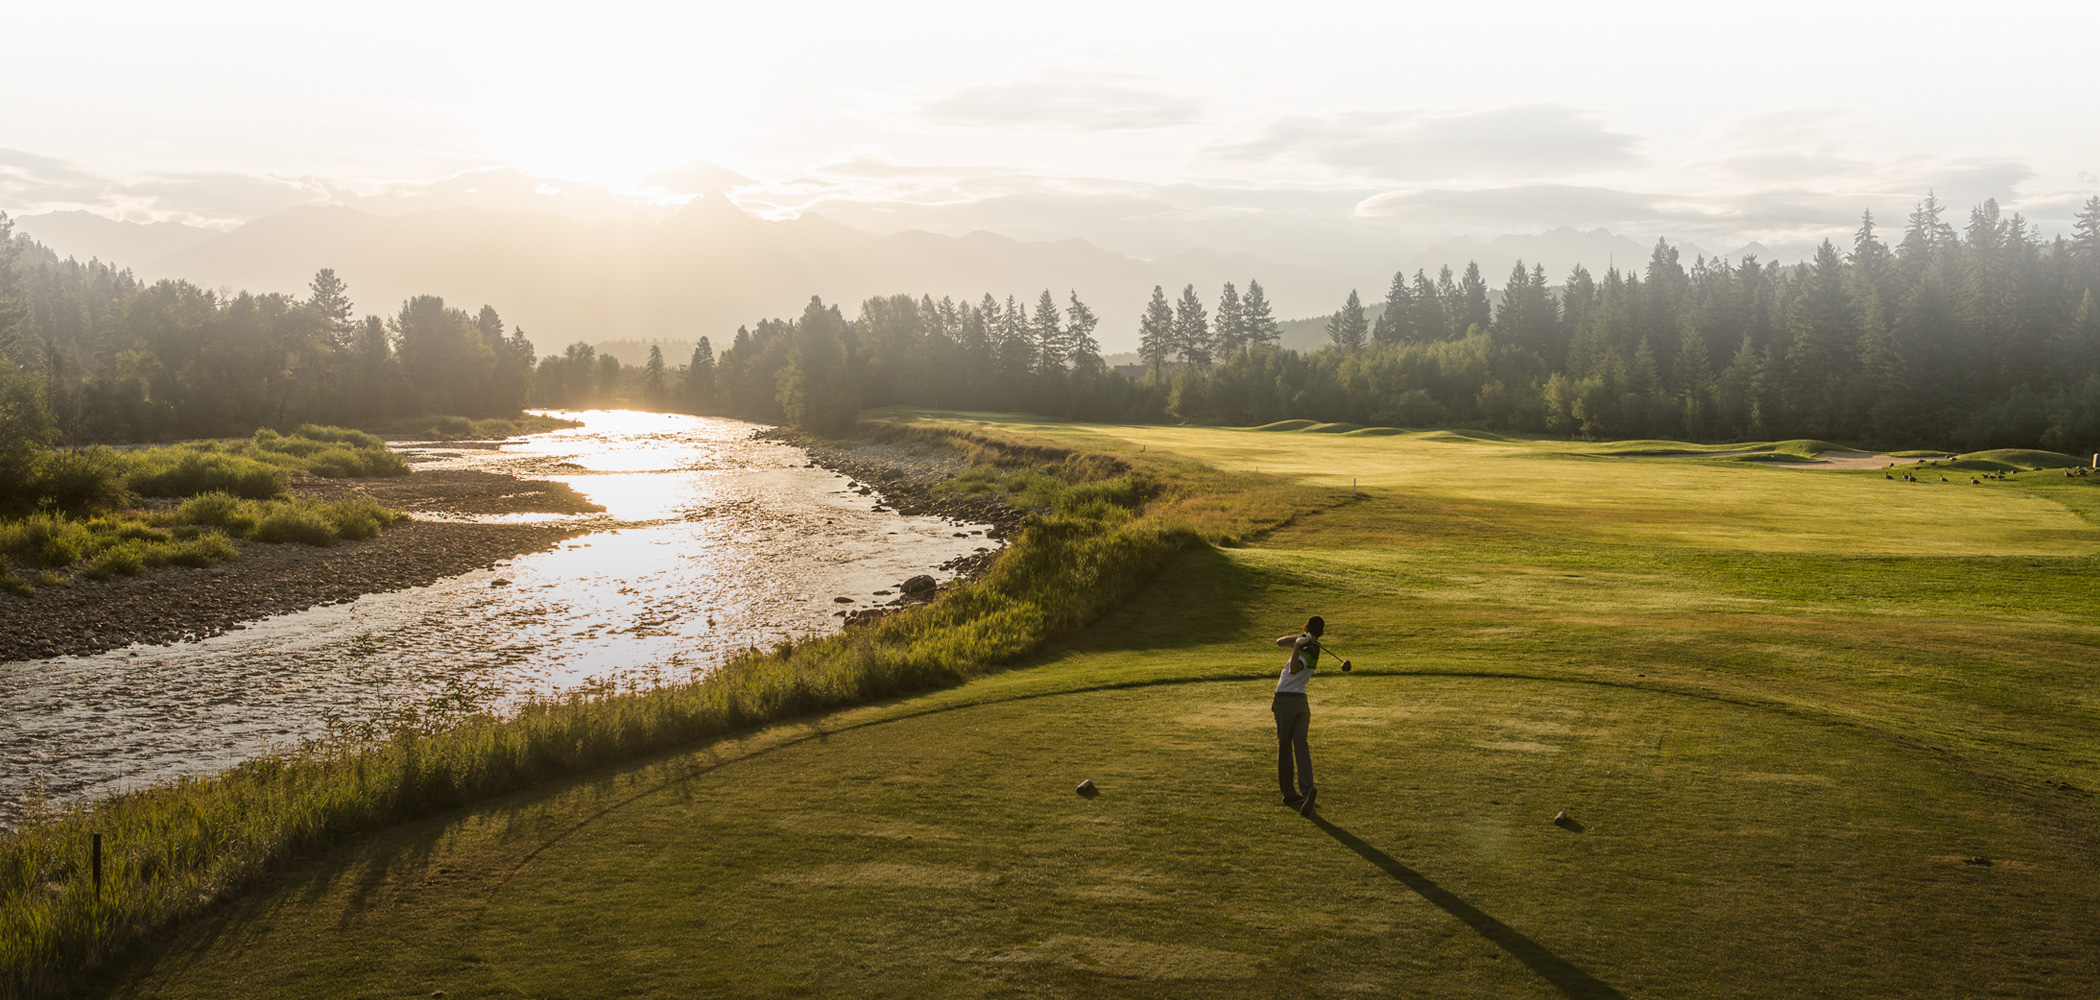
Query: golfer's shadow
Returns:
{"type": "Point", "coordinates": [1554, 969]}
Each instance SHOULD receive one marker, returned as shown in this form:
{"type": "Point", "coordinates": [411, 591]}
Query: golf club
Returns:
{"type": "Point", "coordinates": [1322, 644]}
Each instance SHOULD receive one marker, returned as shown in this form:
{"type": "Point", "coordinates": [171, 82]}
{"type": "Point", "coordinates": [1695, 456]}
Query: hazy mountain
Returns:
{"type": "Point", "coordinates": [86, 236]}
{"type": "Point", "coordinates": [702, 272]}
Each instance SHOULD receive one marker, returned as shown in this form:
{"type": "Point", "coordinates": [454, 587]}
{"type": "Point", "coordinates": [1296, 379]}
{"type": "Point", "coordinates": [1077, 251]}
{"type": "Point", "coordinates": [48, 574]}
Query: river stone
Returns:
{"type": "Point", "coordinates": [919, 584]}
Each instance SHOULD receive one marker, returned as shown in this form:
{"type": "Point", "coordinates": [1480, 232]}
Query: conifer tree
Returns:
{"type": "Point", "coordinates": [1347, 329]}
{"type": "Point", "coordinates": [1430, 320]}
{"type": "Point", "coordinates": [1259, 322]}
{"type": "Point", "coordinates": [1191, 329]}
{"type": "Point", "coordinates": [1082, 351]}
{"type": "Point", "coordinates": [1452, 306]}
{"type": "Point", "coordinates": [653, 375]}
{"type": "Point", "coordinates": [1049, 337]}
{"type": "Point", "coordinates": [700, 375]}
{"type": "Point", "coordinates": [330, 297]}
{"type": "Point", "coordinates": [1396, 320]}
{"type": "Point", "coordinates": [1230, 327]}
{"type": "Point", "coordinates": [1156, 332]}
{"type": "Point", "coordinates": [1473, 298]}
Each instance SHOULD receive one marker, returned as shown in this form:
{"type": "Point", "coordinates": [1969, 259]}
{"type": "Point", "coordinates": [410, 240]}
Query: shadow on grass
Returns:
{"type": "Point", "coordinates": [1200, 596]}
{"type": "Point", "coordinates": [1563, 974]}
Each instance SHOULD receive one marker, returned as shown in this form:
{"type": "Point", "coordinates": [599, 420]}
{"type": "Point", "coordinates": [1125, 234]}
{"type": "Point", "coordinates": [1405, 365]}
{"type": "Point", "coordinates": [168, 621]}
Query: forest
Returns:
{"type": "Point", "coordinates": [1982, 335]}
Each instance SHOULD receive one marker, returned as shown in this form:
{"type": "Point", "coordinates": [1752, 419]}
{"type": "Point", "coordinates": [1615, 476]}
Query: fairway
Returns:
{"type": "Point", "coordinates": [1819, 734]}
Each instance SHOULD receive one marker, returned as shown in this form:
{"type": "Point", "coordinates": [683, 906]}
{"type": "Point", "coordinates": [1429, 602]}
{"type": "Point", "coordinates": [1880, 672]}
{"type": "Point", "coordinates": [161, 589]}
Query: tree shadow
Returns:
{"type": "Point", "coordinates": [1202, 595]}
{"type": "Point", "coordinates": [1560, 972]}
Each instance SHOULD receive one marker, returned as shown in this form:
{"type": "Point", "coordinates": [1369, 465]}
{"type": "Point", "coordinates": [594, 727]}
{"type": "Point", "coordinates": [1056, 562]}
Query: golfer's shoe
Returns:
{"type": "Point", "coordinates": [1305, 806]}
{"type": "Point", "coordinates": [1293, 801]}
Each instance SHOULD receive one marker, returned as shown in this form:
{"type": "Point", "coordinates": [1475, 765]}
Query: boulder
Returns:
{"type": "Point", "coordinates": [920, 584]}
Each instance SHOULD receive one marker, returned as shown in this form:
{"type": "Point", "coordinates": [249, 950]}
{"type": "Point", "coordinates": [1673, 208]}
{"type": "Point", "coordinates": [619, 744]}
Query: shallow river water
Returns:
{"type": "Point", "coordinates": [711, 542]}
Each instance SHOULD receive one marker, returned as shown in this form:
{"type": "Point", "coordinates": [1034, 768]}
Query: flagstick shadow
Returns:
{"type": "Point", "coordinates": [1554, 969]}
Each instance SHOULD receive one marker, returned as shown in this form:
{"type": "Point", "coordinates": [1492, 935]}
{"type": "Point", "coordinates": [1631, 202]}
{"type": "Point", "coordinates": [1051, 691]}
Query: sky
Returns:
{"type": "Point", "coordinates": [1320, 134]}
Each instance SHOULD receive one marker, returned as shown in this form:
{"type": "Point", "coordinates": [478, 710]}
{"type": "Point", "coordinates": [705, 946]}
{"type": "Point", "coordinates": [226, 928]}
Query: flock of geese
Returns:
{"type": "Point", "coordinates": [1976, 479]}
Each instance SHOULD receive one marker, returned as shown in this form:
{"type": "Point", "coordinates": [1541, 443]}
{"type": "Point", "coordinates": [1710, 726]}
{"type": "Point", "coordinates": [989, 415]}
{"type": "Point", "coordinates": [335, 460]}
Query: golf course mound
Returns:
{"type": "Point", "coordinates": [1375, 432]}
{"type": "Point", "coordinates": [2021, 459]}
{"type": "Point", "coordinates": [1339, 427]}
{"type": "Point", "coordinates": [1287, 425]}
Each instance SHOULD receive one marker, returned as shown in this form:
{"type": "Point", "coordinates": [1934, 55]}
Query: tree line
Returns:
{"type": "Point", "coordinates": [1985, 335]}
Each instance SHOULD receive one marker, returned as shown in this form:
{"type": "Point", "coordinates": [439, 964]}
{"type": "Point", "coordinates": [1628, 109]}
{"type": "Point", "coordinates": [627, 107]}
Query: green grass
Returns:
{"type": "Point", "coordinates": [1786, 709]}
{"type": "Point", "coordinates": [256, 467]}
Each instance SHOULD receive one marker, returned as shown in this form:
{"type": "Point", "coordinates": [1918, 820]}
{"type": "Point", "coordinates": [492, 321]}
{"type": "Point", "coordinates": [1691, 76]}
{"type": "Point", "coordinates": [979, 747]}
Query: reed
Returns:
{"type": "Point", "coordinates": [172, 850]}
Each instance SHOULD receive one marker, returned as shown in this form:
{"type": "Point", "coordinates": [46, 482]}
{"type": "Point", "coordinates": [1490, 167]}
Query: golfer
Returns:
{"type": "Point", "coordinates": [1294, 715]}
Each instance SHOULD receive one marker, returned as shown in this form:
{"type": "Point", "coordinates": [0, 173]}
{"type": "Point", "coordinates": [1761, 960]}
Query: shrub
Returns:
{"type": "Point", "coordinates": [16, 585]}
{"type": "Point", "coordinates": [222, 511]}
{"type": "Point", "coordinates": [44, 539]}
{"type": "Point", "coordinates": [182, 472]}
{"type": "Point", "coordinates": [358, 517]}
{"type": "Point", "coordinates": [202, 551]}
{"type": "Point", "coordinates": [125, 558]}
{"type": "Point", "coordinates": [296, 522]}
{"type": "Point", "coordinates": [339, 435]}
{"type": "Point", "coordinates": [79, 481]}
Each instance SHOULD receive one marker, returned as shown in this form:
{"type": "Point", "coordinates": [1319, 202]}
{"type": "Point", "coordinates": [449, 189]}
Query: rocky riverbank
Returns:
{"type": "Point", "coordinates": [903, 476]}
{"type": "Point", "coordinates": [176, 603]}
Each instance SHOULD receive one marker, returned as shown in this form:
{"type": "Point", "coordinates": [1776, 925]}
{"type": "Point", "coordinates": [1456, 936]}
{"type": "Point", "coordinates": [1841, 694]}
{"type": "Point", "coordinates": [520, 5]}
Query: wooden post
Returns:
{"type": "Point", "coordinates": [97, 852]}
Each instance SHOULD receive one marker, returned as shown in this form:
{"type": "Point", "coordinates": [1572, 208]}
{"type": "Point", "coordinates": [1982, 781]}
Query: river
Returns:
{"type": "Point", "coordinates": [711, 542]}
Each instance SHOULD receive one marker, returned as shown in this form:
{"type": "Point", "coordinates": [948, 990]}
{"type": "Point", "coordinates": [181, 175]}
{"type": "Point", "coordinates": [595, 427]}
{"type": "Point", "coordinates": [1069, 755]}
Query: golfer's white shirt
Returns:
{"type": "Point", "coordinates": [1294, 683]}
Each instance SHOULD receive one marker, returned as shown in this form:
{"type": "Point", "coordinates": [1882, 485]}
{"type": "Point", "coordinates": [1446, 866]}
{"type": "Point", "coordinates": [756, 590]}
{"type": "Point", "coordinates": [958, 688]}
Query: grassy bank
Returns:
{"type": "Point", "coordinates": [174, 850]}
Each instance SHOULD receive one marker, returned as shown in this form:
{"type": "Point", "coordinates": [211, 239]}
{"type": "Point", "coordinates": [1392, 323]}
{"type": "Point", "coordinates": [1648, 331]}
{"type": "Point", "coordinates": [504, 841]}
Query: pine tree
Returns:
{"type": "Point", "coordinates": [1695, 383]}
{"type": "Point", "coordinates": [653, 375]}
{"type": "Point", "coordinates": [1192, 329]}
{"type": "Point", "coordinates": [1156, 332]}
{"type": "Point", "coordinates": [1230, 327]}
{"type": "Point", "coordinates": [1015, 344]}
{"type": "Point", "coordinates": [1082, 351]}
{"type": "Point", "coordinates": [816, 387]}
{"type": "Point", "coordinates": [1473, 302]}
{"type": "Point", "coordinates": [1347, 328]}
{"type": "Point", "coordinates": [700, 376]}
{"type": "Point", "coordinates": [1049, 337]}
{"type": "Point", "coordinates": [1432, 319]}
{"type": "Point", "coordinates": [1396, 320]}
{"type": "Point", "coordinates": [1260, 324]}
{"type": "Point", "coordinates": [331, 299]}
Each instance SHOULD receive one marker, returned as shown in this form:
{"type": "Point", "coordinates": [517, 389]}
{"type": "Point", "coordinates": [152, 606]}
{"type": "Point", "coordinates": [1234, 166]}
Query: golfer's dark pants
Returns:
{"type": "Point", "coordinates": [1293, 716]}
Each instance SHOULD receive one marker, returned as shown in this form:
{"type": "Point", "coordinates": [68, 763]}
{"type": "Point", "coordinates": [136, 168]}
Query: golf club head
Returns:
{"type": "Point", "coordinates": [1345, 666]}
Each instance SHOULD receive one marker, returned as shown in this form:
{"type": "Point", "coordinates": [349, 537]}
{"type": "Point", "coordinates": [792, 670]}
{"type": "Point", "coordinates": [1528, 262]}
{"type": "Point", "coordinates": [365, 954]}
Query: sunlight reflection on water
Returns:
{"type": "Point", "coordinates": [711, 542]}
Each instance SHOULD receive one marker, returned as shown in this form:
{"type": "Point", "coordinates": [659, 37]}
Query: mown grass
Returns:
{"type": "Point", "coordinates": [177, 848]}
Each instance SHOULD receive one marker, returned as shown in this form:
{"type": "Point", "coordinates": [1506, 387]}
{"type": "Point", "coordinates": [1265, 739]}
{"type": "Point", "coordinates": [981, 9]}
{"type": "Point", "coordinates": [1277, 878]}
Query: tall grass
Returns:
{"type": "Point", "coordinates": [173, 849]}
{"type": "Point", "coordinates": [196, 534]}
{"type": "Point", "coordinates": [256, 467]}
{"type": "Point", "coordinates": [448, 428]}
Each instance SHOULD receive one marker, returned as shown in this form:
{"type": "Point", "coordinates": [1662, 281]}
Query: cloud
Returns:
{"type": "Point", "coordinates": [30, 181]}
{"type": "Point", "coordinates": [1074, 105]}
{"type": "Point", "coordinates": [1523, 206]}
{"type": "Point", "coordinates": [1521, 142]}
{"type": "Point", "coordinates": [219, 196]}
